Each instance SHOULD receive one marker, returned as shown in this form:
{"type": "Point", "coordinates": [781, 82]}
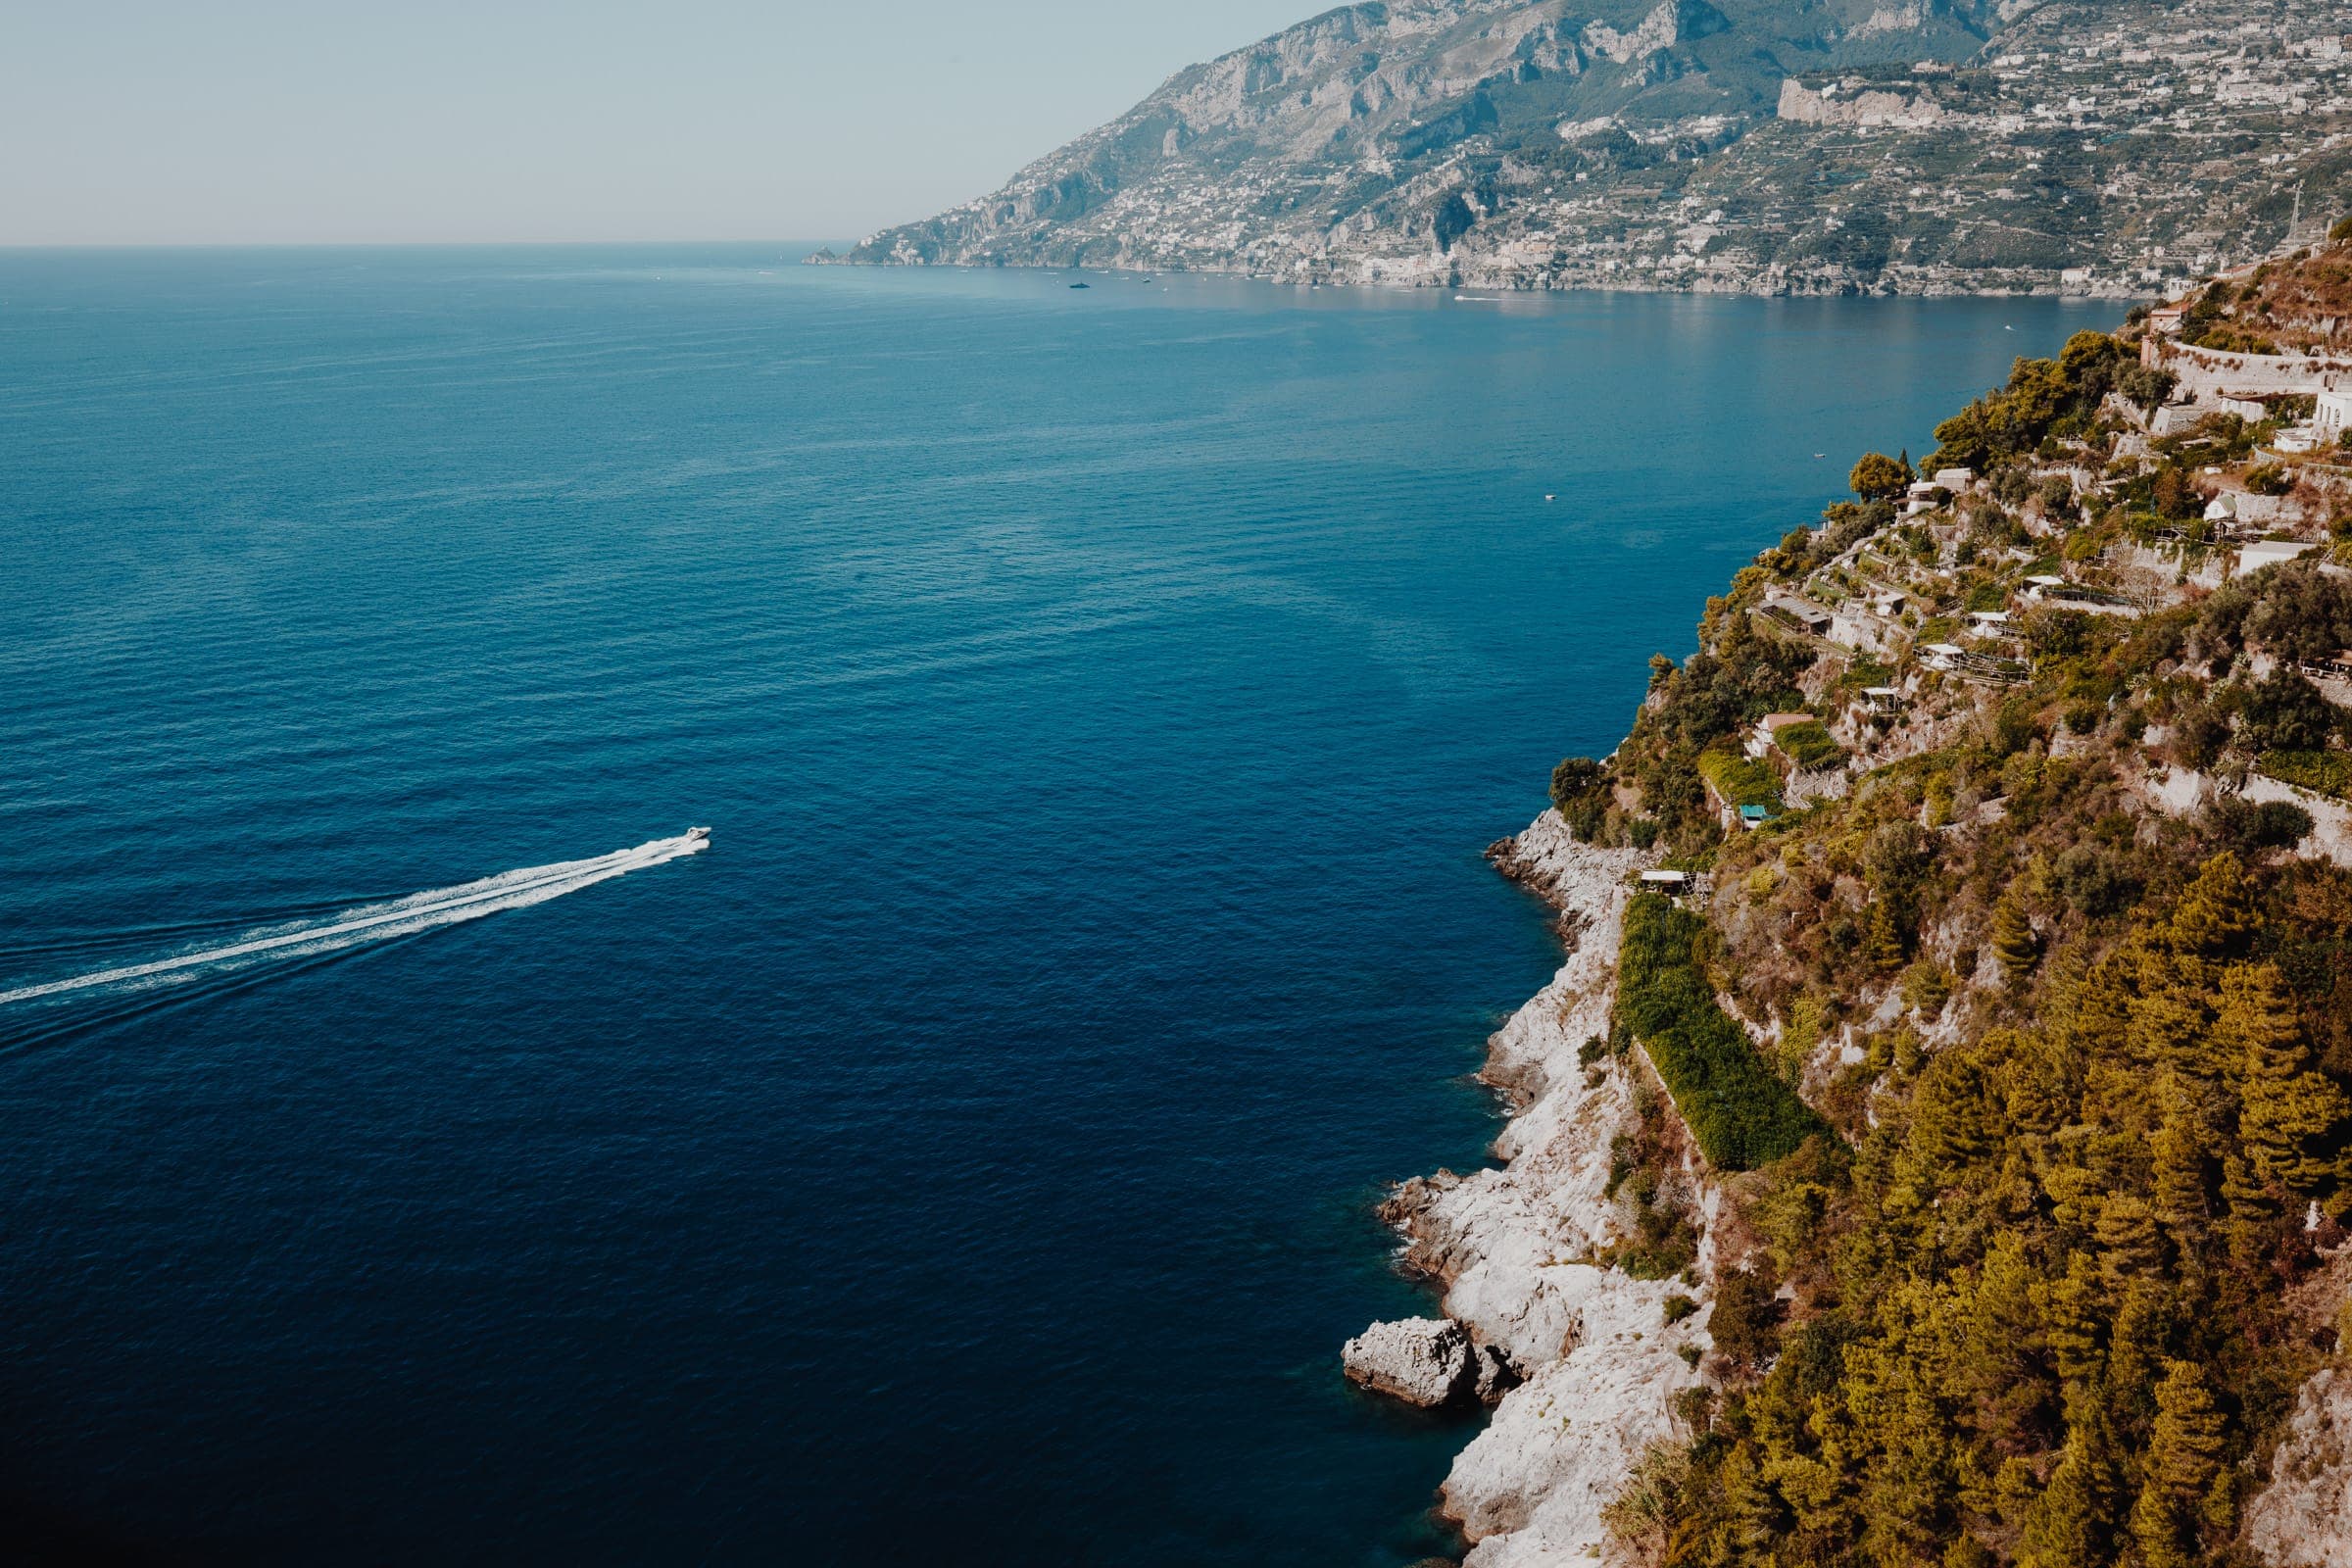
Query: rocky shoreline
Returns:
{"type": "Point", "coordinates": [1588, 1365]}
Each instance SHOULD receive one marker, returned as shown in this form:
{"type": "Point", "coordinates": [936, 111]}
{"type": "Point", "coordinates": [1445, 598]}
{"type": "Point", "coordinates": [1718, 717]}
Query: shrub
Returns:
{"type": "Point", "coordinates": [1746, 1325]}
{"type": "Point", "coordinates": [2342, 233]}
{"type": "Point", "coordinates": [1928, 986]}
{"type": "Point", "coordinates": [1678, 1307]}
{"type": "Point", "coordinates": [2321, 772]}
{"type": "Point", "coordinates": [1580, 788]}
{"type": "Point", "coordinates": [2271, 824]}
{"type": "Point", "coordinates": [1741, 1116]}
{"type": "Point", "coordinates": [2286, 713]}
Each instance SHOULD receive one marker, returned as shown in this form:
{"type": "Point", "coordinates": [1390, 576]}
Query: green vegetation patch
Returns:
{"type": "Point", "coordinates": [2321, 772]}
{"type": "Point", "coordinates": [1808, 746]}
{"type": "Point", "coordinates": [1741, 1116]}
{"type": "Point", "coordinates": [1742, 780]}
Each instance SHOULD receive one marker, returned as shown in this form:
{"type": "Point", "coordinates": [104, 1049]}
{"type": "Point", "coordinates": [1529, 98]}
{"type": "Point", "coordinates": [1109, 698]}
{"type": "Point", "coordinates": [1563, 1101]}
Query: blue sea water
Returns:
{"type": "Point", "coordinates": [1101, 699]}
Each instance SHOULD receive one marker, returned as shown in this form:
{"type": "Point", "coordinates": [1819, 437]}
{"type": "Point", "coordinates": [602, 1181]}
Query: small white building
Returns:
{"type": "Point", "coordinates": [2333, 416]}
{"type": "Point", "coordinates": [1955, 479]}
{"type": "Point", "coordinates": [1988, 622]}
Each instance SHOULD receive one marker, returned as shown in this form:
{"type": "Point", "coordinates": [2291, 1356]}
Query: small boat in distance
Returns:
{"type": "Point", "coordinates": [698, 835]}
{"type": "Point", "coordinates": [1082, 285]}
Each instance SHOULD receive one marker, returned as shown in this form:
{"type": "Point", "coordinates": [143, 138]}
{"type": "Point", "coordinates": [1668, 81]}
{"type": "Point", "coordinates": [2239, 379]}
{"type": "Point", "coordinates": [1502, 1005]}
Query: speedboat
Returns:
{"type": "Point", "coordinates": [698, 835]}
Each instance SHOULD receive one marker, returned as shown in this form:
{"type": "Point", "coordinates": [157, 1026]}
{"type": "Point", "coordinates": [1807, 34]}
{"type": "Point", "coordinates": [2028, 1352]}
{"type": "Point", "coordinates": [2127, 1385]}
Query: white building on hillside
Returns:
{"type": "Point", "coordinates": [2333, 416]}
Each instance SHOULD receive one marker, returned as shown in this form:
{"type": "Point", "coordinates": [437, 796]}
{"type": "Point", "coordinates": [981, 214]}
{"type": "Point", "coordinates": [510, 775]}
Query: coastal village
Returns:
{"type": "Point", "coordinates": [1936, 1146]}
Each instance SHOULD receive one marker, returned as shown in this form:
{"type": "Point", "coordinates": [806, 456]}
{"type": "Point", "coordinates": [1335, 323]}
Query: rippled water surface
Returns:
{"type": "Point", "coordinates": [1100, 699]}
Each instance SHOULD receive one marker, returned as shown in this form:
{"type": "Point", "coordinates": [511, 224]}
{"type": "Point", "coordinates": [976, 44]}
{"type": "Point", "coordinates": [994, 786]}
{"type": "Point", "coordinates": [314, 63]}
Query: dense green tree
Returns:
{"type": "Point", "coordinates": [2183, 1458]}
{"type": "Point", "coordinates": [1878, 476]}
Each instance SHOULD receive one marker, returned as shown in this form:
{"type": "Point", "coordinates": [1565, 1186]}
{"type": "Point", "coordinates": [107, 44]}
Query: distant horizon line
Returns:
{"type": "Point", "coordinates": [53, 246]}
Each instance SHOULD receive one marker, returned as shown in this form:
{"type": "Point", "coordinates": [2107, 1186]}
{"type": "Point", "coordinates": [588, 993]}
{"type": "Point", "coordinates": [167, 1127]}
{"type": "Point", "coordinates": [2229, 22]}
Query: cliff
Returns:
{"type": "Point", "coordinates": [1751, 145]}
{"type": "Point", "coordinates": [1950, 1167]}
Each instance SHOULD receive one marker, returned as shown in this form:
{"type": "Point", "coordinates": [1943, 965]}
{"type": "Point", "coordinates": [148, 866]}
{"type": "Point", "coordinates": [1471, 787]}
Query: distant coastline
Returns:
{"type": "Point", "coordinates": [2047, 283]}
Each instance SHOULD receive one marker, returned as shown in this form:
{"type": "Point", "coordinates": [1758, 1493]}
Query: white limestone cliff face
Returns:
{"type": "Point", "coordinates": [1514, 1248]}
{"type": "Point", "coordinates": [2304, 1519]}
{"type": "Point", "coordinates": [1807, 107]}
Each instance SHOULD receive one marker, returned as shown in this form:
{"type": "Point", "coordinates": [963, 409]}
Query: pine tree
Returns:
{"type": "Point", "coordinates": [2251, 1210]}
{"type": "Point", "coordinates": [2129, 1245]}
{"type": "Point", "coordinates": [2013, 940]}
{"type": "Point", "coordinates": [2292, 1131]}
{"type": "Point", "coordinates": [2170, 1028]}
{"type": "Point", "coordinates": [2075, 1314]}
{"type": "Point", "coordinates": [2070, 1523]}
{"type": "Point", "coordinates": [2183, 1458]}
{"type": "Point", "coordinates": [2216, 912]}
{"type": "Point", "coordinates": [2178, 1155]}
{"type": "Point", "coordinates": [2289, 1119]}
{"type": "Point", "coordinates": [2255, 1033]}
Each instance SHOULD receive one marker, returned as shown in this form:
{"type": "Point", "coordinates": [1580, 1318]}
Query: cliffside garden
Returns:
{"type": "Point", "coordinates": [2024, 1055]}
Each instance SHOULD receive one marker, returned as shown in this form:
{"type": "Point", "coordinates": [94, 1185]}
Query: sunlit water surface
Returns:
{"type": "Point", "coordinates": [1101, 699]}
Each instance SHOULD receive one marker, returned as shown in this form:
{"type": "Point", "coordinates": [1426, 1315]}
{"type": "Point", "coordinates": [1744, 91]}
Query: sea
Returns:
{"type": "Point", "coordinates": [415, 1148]}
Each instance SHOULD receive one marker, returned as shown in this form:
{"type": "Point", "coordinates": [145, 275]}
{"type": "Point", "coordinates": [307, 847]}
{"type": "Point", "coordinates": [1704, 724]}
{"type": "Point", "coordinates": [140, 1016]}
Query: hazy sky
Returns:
{"type": "Point", "coordinates": [132, 122]}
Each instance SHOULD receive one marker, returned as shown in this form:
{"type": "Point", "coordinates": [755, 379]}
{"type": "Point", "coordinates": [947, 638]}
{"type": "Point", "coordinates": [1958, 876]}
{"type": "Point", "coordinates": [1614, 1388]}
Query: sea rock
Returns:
{"type": "Point", "coordinates": [2304, 1519]}
{"type": "Point", "coordinates": [1422, 1360]}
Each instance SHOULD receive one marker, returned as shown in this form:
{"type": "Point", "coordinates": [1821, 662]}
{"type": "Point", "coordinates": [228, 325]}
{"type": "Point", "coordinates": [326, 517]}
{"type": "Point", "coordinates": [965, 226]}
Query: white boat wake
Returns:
{"type": "Point", "coordinates": [349, 928]}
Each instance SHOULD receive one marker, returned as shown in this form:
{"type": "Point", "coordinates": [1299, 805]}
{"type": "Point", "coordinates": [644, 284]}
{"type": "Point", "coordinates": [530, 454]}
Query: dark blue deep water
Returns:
{"type": "Point", "coordinates": [1101, 699]}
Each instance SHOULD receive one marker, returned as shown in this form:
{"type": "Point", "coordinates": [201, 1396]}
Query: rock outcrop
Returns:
{"type": "Point", "coordinates": [1518, 1249]}
{"type": "Point", "coordinates": [2304, 1519]}
{"type": "Point", "coordinates": [1866, 108]}
{"type": "Point", "coordinates": [1426, 1361]}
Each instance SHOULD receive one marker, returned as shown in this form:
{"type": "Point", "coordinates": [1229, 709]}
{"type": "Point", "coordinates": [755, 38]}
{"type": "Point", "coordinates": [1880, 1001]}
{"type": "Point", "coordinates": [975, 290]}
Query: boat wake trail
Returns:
{"type": "Point", "coordinates": [374, 922]}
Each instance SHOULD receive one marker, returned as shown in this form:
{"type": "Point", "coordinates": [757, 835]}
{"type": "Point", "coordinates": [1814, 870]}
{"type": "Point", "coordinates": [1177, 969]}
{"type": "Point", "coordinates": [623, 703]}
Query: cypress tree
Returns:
{"type": "Point", "coordinates": [1882, 942]}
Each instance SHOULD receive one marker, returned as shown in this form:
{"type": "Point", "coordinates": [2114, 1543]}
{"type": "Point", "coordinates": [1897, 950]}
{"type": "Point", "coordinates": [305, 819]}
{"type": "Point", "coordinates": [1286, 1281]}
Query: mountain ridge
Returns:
{"type": "Point", "coordinates": [1753, 145]}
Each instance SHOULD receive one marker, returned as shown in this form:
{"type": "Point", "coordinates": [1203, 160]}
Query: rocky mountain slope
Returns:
{"type": "Point", "coordinates": [1756, 145]}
